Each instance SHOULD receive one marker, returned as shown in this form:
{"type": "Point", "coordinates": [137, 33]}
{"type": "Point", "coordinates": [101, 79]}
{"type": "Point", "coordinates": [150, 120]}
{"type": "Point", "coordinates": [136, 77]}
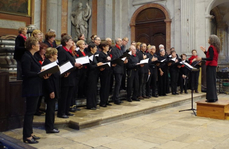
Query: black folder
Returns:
{"type": "Point", "coordinates": [49, 68]}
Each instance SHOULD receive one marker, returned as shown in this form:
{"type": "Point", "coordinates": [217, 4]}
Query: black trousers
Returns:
{"type": "Point", "coordinates": [142, 84]}
{"type": "Point", "coordinates": [50, 113]}
{"type": "Point", "coordinates": [194, 79]}
{"type": "Point", "coordinates": [148, 83]}
{"type": "Point", "coordinates": [132, 84]}
{"type": "Point", "coordinates": [174, 79]}
{"type": "Point", "coordinates": [31, 106]}
{"type": "Point", "coordinates": [105, 78]}
{"type": "Point", "coordinates": [80, 88]}
{"type": "Point", "coordinates": [153, 81]}
{"type": "Point", "coordinates": [183, 85]}
{"type": "Point", "coordinates": [39, 103]}
{"type": "Point", "coordinates": [211, 95]}
{"type": "Point", "coordinates": [92, 91]}
{"type": "Point", "coordinates": [118, 80]}
{"type": "Point", "coordinates": [162, 84]}
{"type": "Point", "coordinates": [64, 101]}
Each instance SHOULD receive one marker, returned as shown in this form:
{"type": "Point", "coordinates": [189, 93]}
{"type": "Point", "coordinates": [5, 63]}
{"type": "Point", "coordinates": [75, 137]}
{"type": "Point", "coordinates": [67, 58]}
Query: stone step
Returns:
{"type": "Point", "coordinates": [88, 118]}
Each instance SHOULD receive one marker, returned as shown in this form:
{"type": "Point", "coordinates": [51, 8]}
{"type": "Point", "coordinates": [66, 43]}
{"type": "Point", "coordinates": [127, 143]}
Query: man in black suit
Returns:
{"type": "Point", "coordinates": [143, 72]}
{"type": "Point", "coordinates": [118, 69]}
{"type": "Point", "coordinates": [125, 41]}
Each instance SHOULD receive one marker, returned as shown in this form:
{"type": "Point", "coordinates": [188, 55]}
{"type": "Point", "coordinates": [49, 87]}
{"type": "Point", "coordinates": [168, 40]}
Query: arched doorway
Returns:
{"type": "Point", "coordinates": [150, 27]}
{"type": "Point", "coordinates": [151, 24]}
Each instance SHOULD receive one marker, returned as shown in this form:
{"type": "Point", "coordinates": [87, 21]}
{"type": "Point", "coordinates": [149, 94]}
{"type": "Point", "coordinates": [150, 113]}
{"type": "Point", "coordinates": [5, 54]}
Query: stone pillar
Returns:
{"type": "Point", "coordinates": [69, 31]}
{"type": "Point", "coordinates": [187, 26]}
{"type": "Point", "coordinates": [43, 15]}
{"type": "Point", "coordinates": [64, 16]}
{"type": "Point", "coordinates": [53, 17]}
{"type": "Point", "coordinates": [117, 17]}
{"type": "Point", "coordinates": [37, 12]}
{"type": "Point", "coordinates": [177, 26]}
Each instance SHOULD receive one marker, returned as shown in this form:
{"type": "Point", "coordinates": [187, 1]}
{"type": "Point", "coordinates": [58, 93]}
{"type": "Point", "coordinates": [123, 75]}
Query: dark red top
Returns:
{"type": "Point", "coordinates": [214, 61]}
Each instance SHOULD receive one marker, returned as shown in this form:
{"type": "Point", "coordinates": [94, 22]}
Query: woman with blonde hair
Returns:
{"type": "Point", "coordinates": [211, 63]}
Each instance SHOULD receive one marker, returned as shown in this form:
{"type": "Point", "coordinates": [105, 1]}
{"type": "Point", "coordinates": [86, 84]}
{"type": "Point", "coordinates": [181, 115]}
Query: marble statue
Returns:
{"type": "Point", "coordinates": [79, 19]}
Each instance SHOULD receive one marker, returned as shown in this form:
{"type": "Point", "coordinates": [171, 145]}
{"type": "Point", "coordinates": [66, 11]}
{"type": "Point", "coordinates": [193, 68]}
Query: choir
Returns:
{"type": "Point", "coordinates": [148, 74]}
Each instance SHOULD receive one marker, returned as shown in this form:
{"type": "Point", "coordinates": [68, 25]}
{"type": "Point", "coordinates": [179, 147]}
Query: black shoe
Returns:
{"type": "Point", "coordinates": [136, 99]}
{"type": "Point", "coordinates": [72, 109]}
{"type": "Point", "coordinates": [77, 109]}
{"type": "Point", "coordinates": [108, 104]}
{"type": "Point", "coordinates": [70, 114]}
{"type": "Point", "coordinates": [103, 105]}
{"type": "Point", "coordinates": [186, 92]}
{"type": "Point", "coordinates": [52, 131]}
{"type": "Point", "coordinates": [92, 108]}
{"type": "Point", "coordinates": [117, 102]}
{"type": "Point", "coordinates": [62, 116]}
{"type": "Point", "coordinates": [181, 92]}
{"type": "Point", "coordinates": [39, 113]}
{"type": "Point", "coordinates": [129, 100]}
{"type": "Point", "coordinates": [31, 141]}
{"type": "Point", "coordinates": [155, 96]}
{"type": "Point", "coordinates": [35, 137]}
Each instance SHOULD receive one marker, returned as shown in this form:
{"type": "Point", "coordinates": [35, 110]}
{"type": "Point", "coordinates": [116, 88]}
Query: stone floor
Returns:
{"type": "Point", "coordinates": [165, 129]}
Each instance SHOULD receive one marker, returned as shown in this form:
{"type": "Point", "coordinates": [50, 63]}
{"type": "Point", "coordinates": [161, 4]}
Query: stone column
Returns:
{"type": "Point", "coordinates": [64, 16]}
{"type": "Point", "coordinates": [105, 18]}
{"type": "Point", "coordinates": [177, 26]}
{"type": "Point", "coordinates": [53, 17]}
{"type": "Point", "coordinates": [187, 26]}
{"type": "Point", "coordinates": [117, 17]}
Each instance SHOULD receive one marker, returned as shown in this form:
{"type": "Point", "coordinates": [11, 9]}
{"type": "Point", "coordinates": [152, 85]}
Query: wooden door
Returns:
{"type": "Point", "coordinates": [150, 27]}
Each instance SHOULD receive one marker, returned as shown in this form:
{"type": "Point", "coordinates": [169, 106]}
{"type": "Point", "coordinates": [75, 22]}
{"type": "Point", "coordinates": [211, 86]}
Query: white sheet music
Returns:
{"type": "Point", "coordinates": [48, 66]}
{"type": "Point", "coordinates": [173, 59]}
{"type": "Point", "coordinates": [96, 55]}
{"type": "Point", "coordinates": [83, 60]}
{"type": "Point", "coordinates": [65, 67]}
{"type": "Point", "coordinates": [187, 64]}
{"type": "Point", "coordinates": [124, 58]}
{"type": "Point", "coordinates": [107, 63]}
{"type": "Point", "coordinates": [163, 60]}
{"type": "Point", "coordinates": [130, 53]}
{"type": "Point", "coordinates": [144, 61]}
{"type": "Point", "coordinates": [91, 58]}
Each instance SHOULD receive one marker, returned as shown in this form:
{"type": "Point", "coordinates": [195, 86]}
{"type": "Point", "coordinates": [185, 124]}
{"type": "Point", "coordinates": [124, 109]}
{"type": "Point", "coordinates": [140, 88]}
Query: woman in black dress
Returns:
{"type": "Point", "coordinates": [105, 74]}
{"type": "Point", "coordinates": [92, 78]}
{"type": "Point", "coordinates": [211, 63]}
{"type": "Point", "coordinates": [31, 87]}
{"type": "Point", "coordinates": [20, 49]}
{"type": "Point", "coordinates": [162, 73]}
{"type": "Point", "coordinates": [51, 92]}
{"type": "Point", "coordinates": [67, 81]}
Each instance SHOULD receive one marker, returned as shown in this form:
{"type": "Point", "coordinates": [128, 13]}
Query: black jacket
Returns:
{"type": "Point", "coordinates": [145, 68]}
{"type": "Point", "coordinates": [152, 65]}
{"type": "Point", "coordinates": [64, 57]}
{"type": "Point", "coordinates": [117, 53]}
{"type": "Point", "coordinates": [103, 58]}
{"type": "Point", "coordinates": [19, 48]}
{"type": "Point", "coordinates": [132, 61]}
{"type": "Point", "coordinates": [32, 83]}
{"type": "Point", "coordinates": [49, 45]}
{"type": "Point", "coordinates": [52, 83]}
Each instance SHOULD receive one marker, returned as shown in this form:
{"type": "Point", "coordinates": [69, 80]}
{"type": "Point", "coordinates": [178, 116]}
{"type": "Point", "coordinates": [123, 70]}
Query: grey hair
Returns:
{"type": "Point", "coordinates": [161, 45]}
{"type": "Point", "coordinates": [108, 39]}
{"type": "Point", "coordinates": [132, 47]}
{"type": "Point", "coordinates": [153, 46]}
{"type": "Point", "coordinates": [117, 39]}
{"type": "Point", "coordinates": [215, 41]}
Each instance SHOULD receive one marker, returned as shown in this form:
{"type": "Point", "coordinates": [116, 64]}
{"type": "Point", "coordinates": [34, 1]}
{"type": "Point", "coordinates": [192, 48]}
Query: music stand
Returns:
{"type": "Point", "coordinates": [192, 69]}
